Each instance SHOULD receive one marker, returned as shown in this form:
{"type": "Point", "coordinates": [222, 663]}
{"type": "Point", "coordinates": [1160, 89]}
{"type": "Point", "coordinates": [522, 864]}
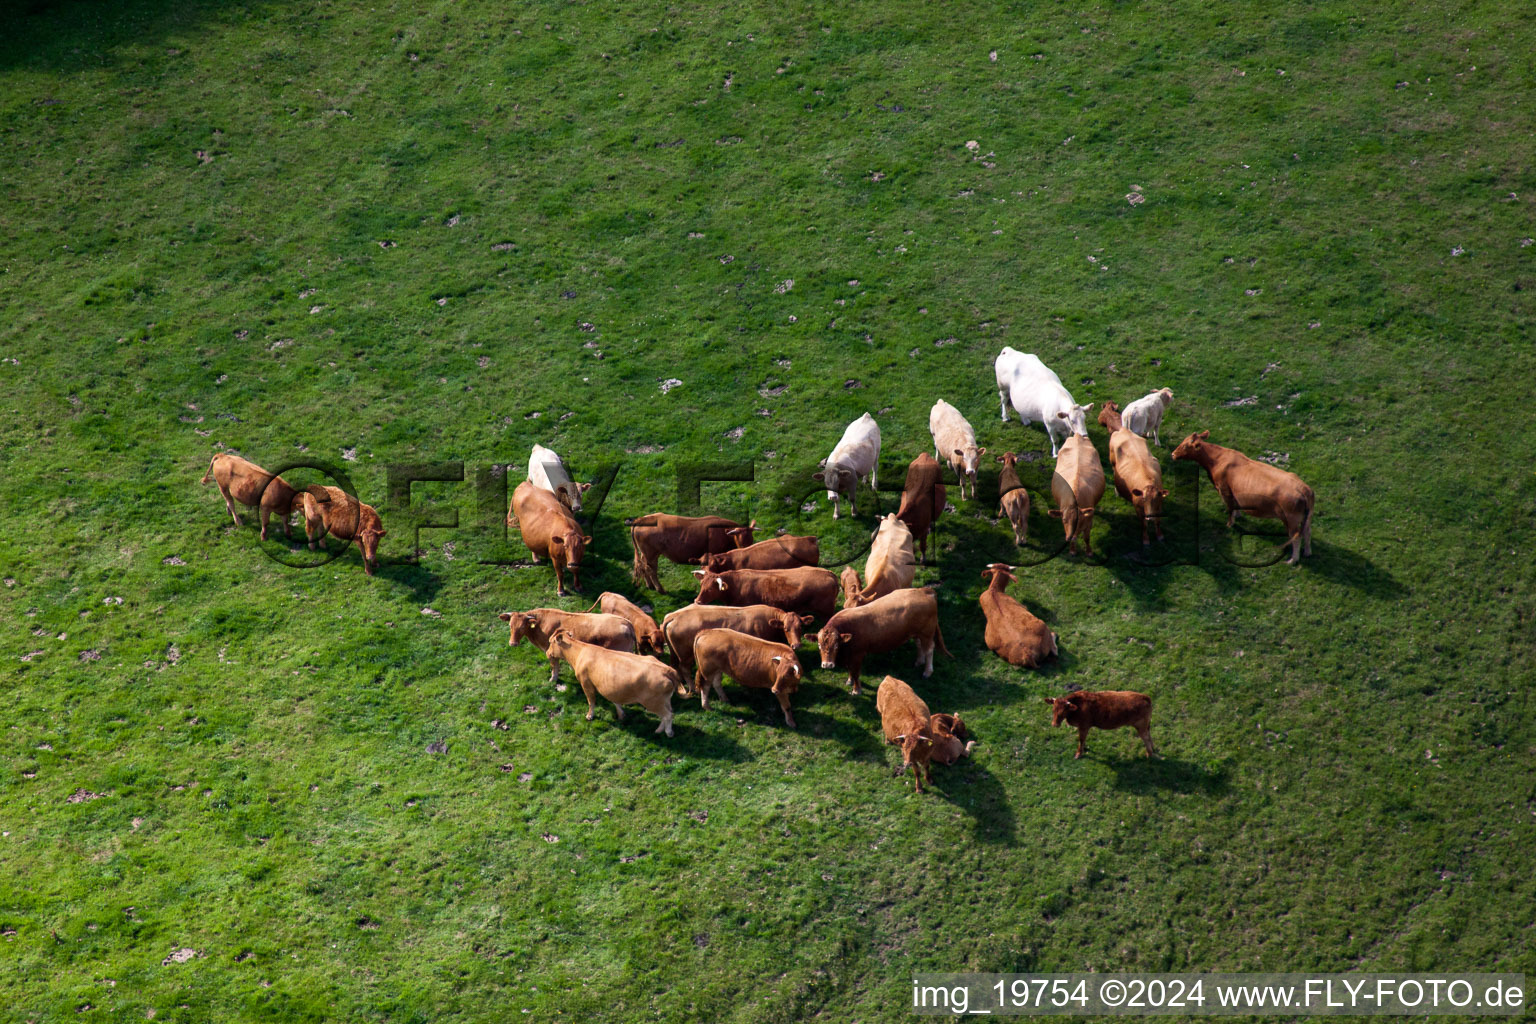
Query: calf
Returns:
{"type": "Point", "coordinates": [620, 678]}
{"type": "Point", "coordinates": [1138, 476]}
{"type": "Point", "coordinates": [1077, 485]}
{"type": "Point", "coordinates": [782, 552]}
{"type": "Point", "coordinates": [749, 660]}
{"type": "Point", "coordinates": [763, 621]}
{"type": "Point", "coordinates": [681, 539]}
{"type": "Point", "coordinates": [547, 472]}
{"type": "Point", "coordinates": [922, 499]}
{"type": "Point", "coordinates": [1013, 633]}
{"type": "Point", "coordinates": [809, 590]}
{"type": "Point", "coordinates": [849, 582]}
{"type": "Point", "coordinates": [907, 723]}
{"type": "Point", "coordinates": [647, 633]}
{"type": "Point", "coordinates": [857, 455]}
{"type": "Point", "coordinates": [1014, 498]}
{"type": "Point", "coordinates": [334, 511]}
{"type": "Point", "coordinates": [951, 739]}
{"type": "Point", "coordinates": [1256, 488]}
{"type": "Point", "coordinates": [955, 442]}
{"type": "Point", "coordinates": [537, 625]}
{"type": "Point", "coordinates": [250, 485]}
{"type": "Point", "coordinates": [1104, 709]}
{"type": "Point", "coordinates": [892, 561]}
{"type": "Point", "coordinates": [1039, 396]}
{"type": "Point", "coordinates": [549, 530]}
{"type": "Point", "coordinates": [1145, 415]}
{"type": "Point", "coordinates": [882, 625]}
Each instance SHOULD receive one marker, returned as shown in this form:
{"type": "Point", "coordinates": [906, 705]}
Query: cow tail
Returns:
{"type": "Point", "coordinates": [208, 476]}
{"type": "Point", "coordinates": [938, 638]}
{"type": "Point", "coordinates": [594, 605]}
{"type": "Point", "coordinates": [666, 634]}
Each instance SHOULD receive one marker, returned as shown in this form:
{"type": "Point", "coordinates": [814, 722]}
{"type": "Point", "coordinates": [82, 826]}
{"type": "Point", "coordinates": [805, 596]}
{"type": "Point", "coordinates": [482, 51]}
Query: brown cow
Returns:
{"type": "Point", "coordinates": [243, 481]}
{"type": "Point", "coordinates": [1077, 485]}
{"type": "Point", "coordinates": [907, 723]}
{"type": "Point", "coordinates": [1013, 633]}
{"type": "Point", "coordinates": [922, 498]}
{"type": "Point", "coordinates": [892, 561]}
{"type": "Point", "coordinates": [647, 633]}
{"type": "Point", "coordinates": [1014, 499]}
{"type": "Point", "coordinates": [334, 511]}
{"type": "Point", "coordinates": [760, 620]}
{"type": "Point", "coordinates": [1256, 488]}
{"type": "Point", "coordinates": [1138, 476]}
{"type": "Point", "coordinates": [748, 660]}
{"type": "Point", "coordinates": [537, 625]}
{"type": "Point", "coordinates": [620, 678]}
{"type": "Point", "coordinates": [682, 539]}
{"type": "Point", "coordinates": [851, 585]}
{"type": "Point", "coordinates": [782, 552]}
{"type": "Point", "coordinates": [883, 625]}
{"type": "Point", "coordinates": [1104, 709]}
{"type": "Point", "coordinates": [809, 590]}
{"type": "Point", "coordinates": [549, 529]}
{"type": "Point", "coordinates": [951, 739]}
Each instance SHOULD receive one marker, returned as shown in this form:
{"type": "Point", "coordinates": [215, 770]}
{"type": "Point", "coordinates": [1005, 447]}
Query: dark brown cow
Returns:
{"type": "Point", "coordinates": [750, 661]}
{"type": "Point", "coordinates": [906, 722]}
{"type": "Point", "coordinates": [1257, 488]}
{"type": "Point", "coordinates": [1104, 709]}
{"type": "Point", "coordinates": [537, 625]}
{"type": "Point", "coordinates": [760, 620]}
{"type": "Point", "coordinates": [243, 481]}
{"type": "Point", "coordinates": [951, 739]}
{"type": "Point", "coordinates": [549, 529]}
{"type": "Point", "coordinates": [922, 499]}
{"type": "Point", "coordinates": [1014, 499]}
{"type": "Point", "coordinates": [647, 633]}
{"type": "Point", "coordinates": [1013, 633]}
{"type": "Point", "coordinates": [882, 625]}
{"type": "Point", "coordinates": [681, 539]}
{"type": "Point", "coordinates": [334, 511]}
{"type": "Point", "coordinates": [782, 552]}
{"type": "Point", "coordinates": [1138, 476]}
{"type": "Point", "coordinates": [808, 590]}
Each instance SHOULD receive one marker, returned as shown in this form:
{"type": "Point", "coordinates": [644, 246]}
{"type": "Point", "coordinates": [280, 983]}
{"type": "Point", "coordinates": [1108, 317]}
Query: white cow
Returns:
{"type": "Point", "coordinates": [955, 442]}
{"type": "Point", "coordinates": [1038, 396]}
{"type": "Point", "coordinates": [1145, 415]}
{"type": "Point", "coordinates": [1007, 365]}
{"type": "Point", "coordinates": [547, 472]}
{"type": "Point", "coordinates": [856, 455]}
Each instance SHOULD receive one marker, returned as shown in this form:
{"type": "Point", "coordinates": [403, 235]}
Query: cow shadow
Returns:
{"type": "Point", "coordinates": [1149, 776]}
{"type": "Point", "coordinates": [972, 789]}
{"type": "Point", "coordinates": [1351, 569]}
{"type": "Point", "coordinates": [688, 737]}
{"type": "Point", "coordinates": [423, 583]}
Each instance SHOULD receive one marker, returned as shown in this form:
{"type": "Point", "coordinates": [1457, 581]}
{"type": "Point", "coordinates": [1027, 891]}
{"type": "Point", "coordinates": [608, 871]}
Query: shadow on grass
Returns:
{"type": "Point", "coordinates": [1340, 565]}
{"type": "Point", "coordinates": [687, 737]}
{"type": "Point", "coordinates": [971, 788]}
{"type": "Point", "coordinates": [1144, 776]}
{"type": "Point", "coordinates": [68, 35]}
{"type": "Point", "coordinates": [423, 582]}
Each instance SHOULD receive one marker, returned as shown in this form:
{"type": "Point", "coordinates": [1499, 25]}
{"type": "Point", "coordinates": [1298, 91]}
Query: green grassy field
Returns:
{"type": "Point", "coordinates": [372, 236]}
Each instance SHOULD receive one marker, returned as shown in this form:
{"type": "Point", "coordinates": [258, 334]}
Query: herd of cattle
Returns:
{"type": "Point", "coordinates": [758, 599]}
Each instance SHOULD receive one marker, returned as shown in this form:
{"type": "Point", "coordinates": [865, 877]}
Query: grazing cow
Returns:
{"type": "Point", "coordinates": [547, 472]}
{"type": "Point", "coordinates": [620, 678]}
{"type": "Point", "coordinates": [1145, 415]}
{"type": "Point", "coordinates": [1014, 498]}
{"type": "Point", "coordinates": [1138, 476]}
{"type": "Point", "coordinates": [550, 530]}
{"type": "Point", "coordinates": [334, 511]}
{"type": "Point", "coordinates": [1038, 396]}
{"type": "Point", "coordinates": [1013, 633]}
{"type": "Point", "coordinates": [951, 739]}
{"type": "Point", "coordinates": [809, 590]}
{"type": "Point", "coordinates": [749, 660]}
{"type": "Point", "coordinates": [1006, 366]}
{"type": "Point", "coordinates": [1257, 488]}
{"type": "Point", "coordinates": [907, 724]}
{"type": "Point", "coordinates": [851, 586]}
{"type": "Point", "coordinates": [857, 454]}
{"type": "Point", "coordinates": [782, 552]}
{"type": "Point", "coordinates": [955, 442]}
{"type": "Point", "coordinates": [922, 498]}
{"type": "Point", "coordinates": [682, 539]}
{"type": "Point", "coordinates": [1077, 485]}
{"type": "Point", "coordinates": [892, 561]}
{"type": "Point", "coordinates": [647, 633]}
{"type": "Point", "coordinates": [244, 481]}
{"type": "Point", "coordinates": [882, 625]}
{"type": "Point", "coordinates": [537, 625]}
{"type": "Point", "coordinates": [760, 620]}
{"type": "Point", "coordinates": [1104, 709]}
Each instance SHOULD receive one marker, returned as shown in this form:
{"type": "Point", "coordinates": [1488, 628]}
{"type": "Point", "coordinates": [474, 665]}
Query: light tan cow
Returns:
{"type": "Point", "coordinates": [537, 625]}
{"type": "Point", "coordinates": [243, 481]}
{"type": "Point", "coordinates": [954, 441]}
{"type": "Point", "coordinates": [647, 633]}
{"type": "Point", "coordinates": [1013, 498]}
{"type": "Point", "coordinates": [334, 511]}
{"type": "Point", "coordinates": [1257, 488]}
{"type": "Point", "coordinates": [1138, 476]}
{"type": "Point", "coordinates": [892, 563]}
{"type": "Point", "coordinates": [549, 530]}
{"type": "Point", "coordinates": [620, 678]}
{"type": "Point", "coordinates": [851, 585]}
{"type": "Point", "coordinates": [1077, 485]}
{"type": "Point", "coordinates": [750, 661]}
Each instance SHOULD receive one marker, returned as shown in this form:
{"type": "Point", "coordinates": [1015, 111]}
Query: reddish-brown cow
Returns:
{"type": "Point", "coordinates": [808, 590]}
{"type": "Point", "coordinates": [750, 661]}
{"type": "Point", "coordinates": [782, 552]}
{"type": "Point", "coordinates": [760, 620]}
{"type": "Point", "coordinates": [1013, 498]}
{"type": "Point", "coordinates": [681, 539]}
{"type": "Point", "coordinates": [549, 529]}
{"type": "Point", "coordinates": [906, 722]}
{"type": "Point", "coordinates": [1104, 709]}
{"type": "Point", "coordinates": [1257, 488]}
{"type": "Point", "coordinates": [882, 625]}
{"type": "Point", "coordinates": [1138, 476]}
{"type": "Point", "coordinates": [922, 498]}
{"type": "Point", "coordinates": [951, 739]}
{"type": "Point", "coordinates": [243, 481]}
{"type": "Point", "coordinates": [334, 511]}
{"type": "Point", "coordinates": [647, 633]}
{"type": "Point", "coordinates": [537, 625]}
{"type": "Point", "coordinates": [1013, 632]}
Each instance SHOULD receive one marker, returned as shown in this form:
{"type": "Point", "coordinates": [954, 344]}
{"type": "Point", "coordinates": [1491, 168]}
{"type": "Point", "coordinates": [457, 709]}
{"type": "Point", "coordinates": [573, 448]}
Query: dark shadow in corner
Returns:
{"type": "Point", "coordinates": [1146, 776]}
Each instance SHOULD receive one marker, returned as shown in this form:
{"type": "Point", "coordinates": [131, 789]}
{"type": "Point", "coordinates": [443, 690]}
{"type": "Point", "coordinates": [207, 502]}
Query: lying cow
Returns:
{"type": "Point", "coordinates": [809, 590]}
{"type": "Point", "coordinates": [906, 721]}
{"type": "Point", "coordinates": [763, 621]}
{"type": "Point", "coordinates": [951, 739]}
{"type": "Point", "coordinates": [1145, 415]}
{"type": "Point", "coordinates": [1013, 632]}
{"type": "Point", "coordinates": [537, 625]}
{"type": "Point", "coordinates": [1038, 396]}
{"type": "Point", "coordinates": [680, 539]}
{"type": "Point", "coordinates": [647, 633]}
{"type": "Point", "coordinates": [550, 531]}
{"type": "Point", "coordinates": [244, 481]}
{"type": "Point", "coordinates": [334, 511]}
{"type": "Point", "coordinates": [849, 581]}
{"type": "Point", "coordinates": [1138, 476]}
{"type": "Point", "coordinates": [1077, 485]}
{"type": "Point", "coordinates": [954, 441]}
{"type": "Point", "coordinates": [882, 625]}
{"type": "Point", "coordinates": [749, 660]}
{"type": "Point", "coordinates": [547, 472]}
{"type": "Point", "coordinates": [922, 499]}
{"type": "Point", "coordinates": [1257, 488]}
{"type": "Point", "coordinates": [1013, 498]}
{"type": "Point", "coordinates": [620, 678]}
{"type": "Point", "coordinates": [1104, 709]}
{"type": "Point", "coordinates": [782, 552]}
{"type": "Point", "coordinates": [857, 455]}
{"type": "Point", "coordinates": [892, 561]}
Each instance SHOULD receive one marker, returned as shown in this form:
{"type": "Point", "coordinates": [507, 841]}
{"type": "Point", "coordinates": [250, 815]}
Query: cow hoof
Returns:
{"type": "Point", "coordinates": [589, 716]}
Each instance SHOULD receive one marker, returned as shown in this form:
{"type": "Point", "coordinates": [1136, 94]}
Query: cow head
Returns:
{"type": "Point", "coordinates": [653, 639]}
{"type": "Point", "coordinates": [969, 456]}
{"type": "Point", "coordinates": [1076, 418]}
{"type": "Point", "coordinates": [1165, 394]}
{"type": "Point", "coordinates": [712, 586]}
{"type": "Point", "coordinates": [849, 581]}
{"type": "Point", "coordinates": [1076, 522]}
{"type": "Point", "coordinates": [566, 550]}
{"type": "Point", "coordinates": [794, 627]}
{"type": "Point", "coordinates": [786, 674]}
{"type": "Point", "coordinates": [524, 624]}
{"type": "Point", "coordinates": [1150, 501]}
{"type": "Point", "coordinates": [741, 536]}
{"type": "Point", "coordinates": [838, 479]}
{"type": "Point", "coordinates": [830, 642]}
{"type": "Point", "coordinates": [1109, 417]}
{"type": "Point", "coordinates": [560, 644]}
{"type": "Point", "coordinates": [570, 494]}
{"type": "Point", "coordinates": [999, 571]}
{"type": "Point", "coordinates": [915, 747]}
{"type": "Point", "coordinates": [370, 530]}
{"type": "Point", "coordinates": [1065, 709]}
{"type": "Point", "coordinates": [1193, 447]}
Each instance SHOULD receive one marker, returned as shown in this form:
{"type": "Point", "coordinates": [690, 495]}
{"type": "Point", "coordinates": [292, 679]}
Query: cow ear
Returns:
{"type": "Point", "coordinates": [1055, 513]}
{"type": "Point", "coordinates": [806, 620]}
{"type": "Point", "coordinates": [818, 476]}
{"type": "Point", "coordinates": [1085, 408]}
{"type": "Point", "coordinates": [777, 658]}
{"type": "Point", "coordinates": [999, 458]}
{"type": "Point", "coordinates": [584, 487]}
{"type": "Point", "coordinates": [699, 572]}
{"type": "Point", "coordinates": [846, 638]}
{"type": "Point", "coordinates": [720, 582]}
{"type": "Point", "coordinates": [981, 451]}
{"type": "Point", "coordinates": [532, 620]}
{"type": "Point", "coordinates": [1165, 492]}
{"type": "Point", "coordinates": [1135, 492]}
{"type": "Point", "coordinates": [1050, 700]}
{"type": "Point", "coordinates": [557, 540]}
{"type": "Point", "coordinates": [505, 616]}
{"type": "Point", "coordinates": [1061, 415]}
{"type": "Point", "coordinates": [586, 540]}
{"type": "Point", "coordinates": [1203, 435]}
{"type": "Point", "coordinates": [960, 453]}
{"type": "Point", "coordinates": [382, 531]}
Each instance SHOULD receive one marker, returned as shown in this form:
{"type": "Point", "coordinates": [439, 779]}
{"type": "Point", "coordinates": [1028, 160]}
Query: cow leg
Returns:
{"type": "Point", "coordinates": [1144, 730]}
{"type": "Point", "coordinates": [1002, 403]}
{"type": "Point", "coordinates": [229, 504]}
{"type": "Point", "coordinates": [554, 669]}
{"type": "Point", "coordinates": [1082, 742]}
{"type": "Point", "coordinates": [926, 656]}
{"type": "Point", "coordinates": [264, 514]}
{"type": "Point", "coordinates": [834, 505]}
{"type": "Point", "coordinates": [559, 578]}
{"type": "Point", "coordinates": [719, 690]}
{"type": "Point", "coordinates": [701, 683]}
{"type": "Point", "coordinates": [789, 717]}
{"type": "Point", "coordinates": [854, 667]}
{"type": "Point", "coordinates": [618, 710]}
{"type": "Point", "coordinates": [587, 689]}
{"type": "Point", "coordinates": [917, 777]}
{"type": "Point", "coordinates": [1306, 534]}
{"type": "Point", "coordinates": [666, 720]}
{"type": "Point", "coordinates": [873, 483]}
